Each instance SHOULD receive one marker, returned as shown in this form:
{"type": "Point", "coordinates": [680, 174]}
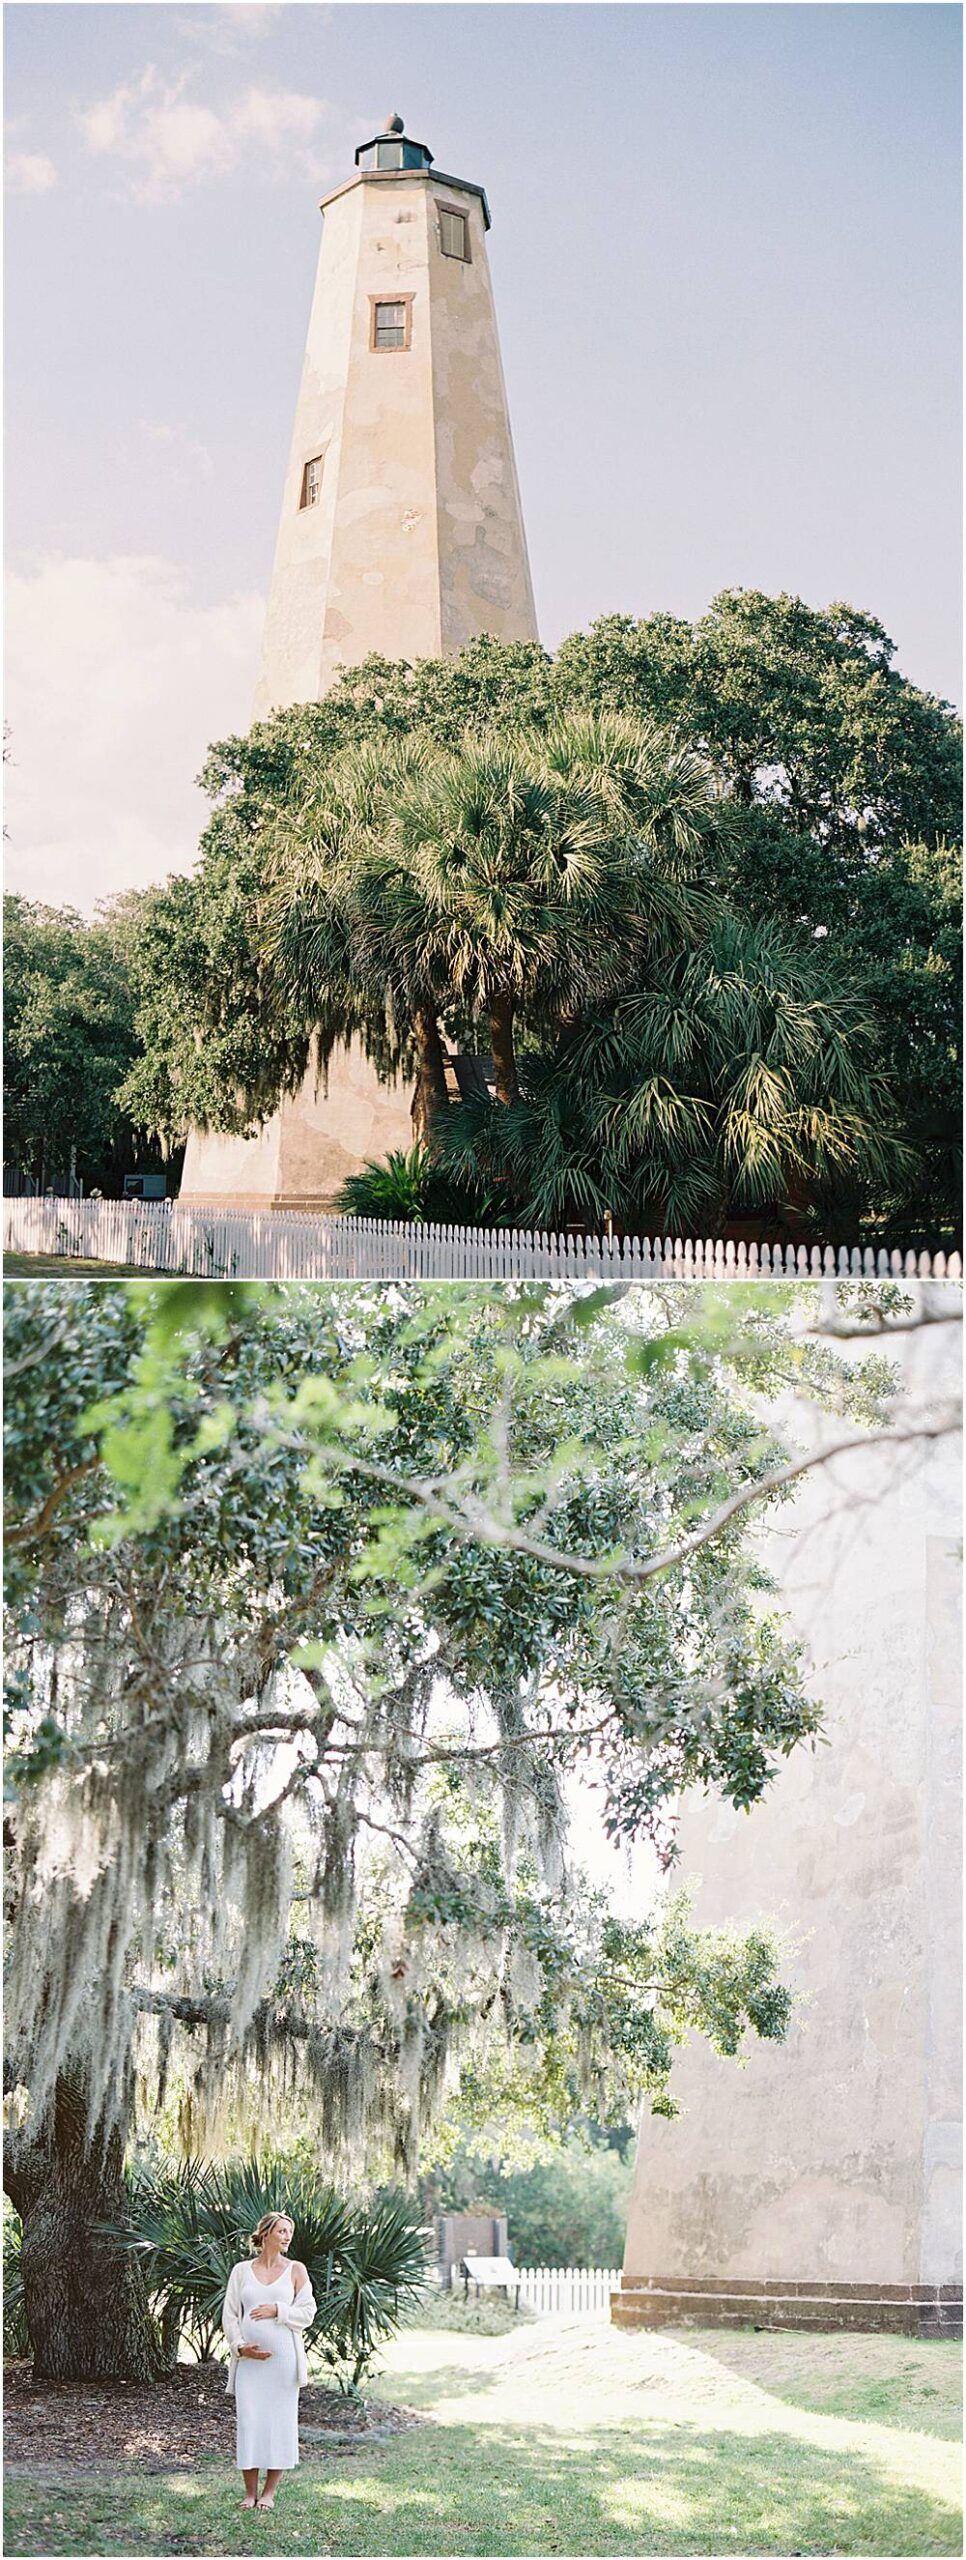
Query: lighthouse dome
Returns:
{"type": "Point", "coordinates": [392, 149]}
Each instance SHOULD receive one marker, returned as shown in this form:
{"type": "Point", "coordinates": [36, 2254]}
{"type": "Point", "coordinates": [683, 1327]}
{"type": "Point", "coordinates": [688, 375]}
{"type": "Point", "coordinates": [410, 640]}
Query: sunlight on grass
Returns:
{"type": "Point", "coordinates": [570, 2439]}
{"type": "Point", "coordinates": [633, 2500]}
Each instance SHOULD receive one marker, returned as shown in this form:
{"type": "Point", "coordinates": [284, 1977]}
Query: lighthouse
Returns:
{"type": "Point", "coordinates": [822, 2187]}
{"type": "Point", "coordinates": [401, 533]}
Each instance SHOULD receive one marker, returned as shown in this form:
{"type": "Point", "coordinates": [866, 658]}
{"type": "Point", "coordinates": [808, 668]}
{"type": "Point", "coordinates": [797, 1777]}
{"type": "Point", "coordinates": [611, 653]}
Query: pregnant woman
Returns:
{"type": "Point", "coordinates": [268, 2304]}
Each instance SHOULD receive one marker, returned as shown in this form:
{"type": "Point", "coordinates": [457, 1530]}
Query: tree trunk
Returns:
{"type": "Point", "coordinates": [430, 1097]}
{"type": "Point", "coordinates": [501, 1044]}
{"type": "Point", "coordinates": [84, 2295]}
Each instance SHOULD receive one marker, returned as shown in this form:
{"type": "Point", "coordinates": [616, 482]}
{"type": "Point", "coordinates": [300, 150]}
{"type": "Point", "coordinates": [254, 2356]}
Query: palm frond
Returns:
{"type": "Point", "coordinates": [190, 2224]}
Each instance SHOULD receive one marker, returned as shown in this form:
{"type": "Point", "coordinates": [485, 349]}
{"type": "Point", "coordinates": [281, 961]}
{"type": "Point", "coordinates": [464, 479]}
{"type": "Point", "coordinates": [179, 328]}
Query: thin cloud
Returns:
{"type": "Point", "coordinates": [274, 118]}
{"type": "Point", "coordinates": [169, 140]}
{"type": "Point", "coordinates": [185, 451]}
{"type": "Point", "coordinates": [30, 173]}
{"type": "Point", "coordinates": [118, 679]}
{"type": "Point", "coordinates": [231, 28]}
{"type": "Point", "coordinates": [251, 17]}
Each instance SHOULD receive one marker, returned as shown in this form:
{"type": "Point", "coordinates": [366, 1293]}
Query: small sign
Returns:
{"type": "Point", "coordinates": [491, 2271]}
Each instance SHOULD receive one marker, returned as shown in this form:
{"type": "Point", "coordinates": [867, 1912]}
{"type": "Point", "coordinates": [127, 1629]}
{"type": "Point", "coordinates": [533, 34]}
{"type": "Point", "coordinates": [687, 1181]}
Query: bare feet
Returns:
{"type": "Point", "coordinates": [249, 2502]}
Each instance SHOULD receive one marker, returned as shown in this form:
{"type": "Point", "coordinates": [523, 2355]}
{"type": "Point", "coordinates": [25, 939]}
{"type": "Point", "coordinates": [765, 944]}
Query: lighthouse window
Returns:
{"type": "Point", "coordinates": [391, 323]}
{"type": "Point", "coordinates": [389, 155]}
{"type": "Point", "coordinates": [453, 234]}
{"type": "Point", "coordinates": [312, 482]}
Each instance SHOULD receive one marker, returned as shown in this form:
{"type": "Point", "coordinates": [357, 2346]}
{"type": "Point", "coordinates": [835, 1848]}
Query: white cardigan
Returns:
{"type": "Point", "coordinates": [297, 2315]}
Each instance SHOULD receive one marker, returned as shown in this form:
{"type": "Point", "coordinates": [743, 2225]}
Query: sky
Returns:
{"type": "Point", "coordinates": [725, 254]}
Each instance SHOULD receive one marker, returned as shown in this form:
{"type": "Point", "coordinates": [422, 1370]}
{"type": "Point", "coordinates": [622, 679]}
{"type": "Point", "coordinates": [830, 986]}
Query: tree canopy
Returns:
{"type": "Point", "coordinates": [566, 2203]}
{"type": "Point", "coordinates": [69, 1040]}
{"type": "Point", "coordinates": [830, 789]}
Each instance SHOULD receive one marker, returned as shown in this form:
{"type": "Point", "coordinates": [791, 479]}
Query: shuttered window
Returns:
{"type": "Point", "coordinates": [453, 234]}
{"type": "Point", "coordinates": [390, 323]}
{"type": "Point", "coordinates": [312, 482]}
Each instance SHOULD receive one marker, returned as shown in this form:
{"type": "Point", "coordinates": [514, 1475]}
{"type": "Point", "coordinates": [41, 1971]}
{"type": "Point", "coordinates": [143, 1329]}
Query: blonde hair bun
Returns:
{"type": "Point", "coordinates": [267, 2224]}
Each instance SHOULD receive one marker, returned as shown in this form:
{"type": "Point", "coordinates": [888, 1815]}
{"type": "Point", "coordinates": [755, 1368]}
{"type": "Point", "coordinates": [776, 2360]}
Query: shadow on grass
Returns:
{"type": "Point", "coordinates": [72, 1266]}
{"type": "Point", "coordinates": [678, 2490]}
{"type": "Point", "coordinates": [428, 2389]}
{"type": "Point", "coordinates": [918, 2390]}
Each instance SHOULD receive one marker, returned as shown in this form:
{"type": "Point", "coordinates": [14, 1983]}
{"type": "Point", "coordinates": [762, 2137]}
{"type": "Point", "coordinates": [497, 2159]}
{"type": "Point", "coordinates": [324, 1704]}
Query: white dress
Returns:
{"type": "Point", "coordinates": [267, 2394]}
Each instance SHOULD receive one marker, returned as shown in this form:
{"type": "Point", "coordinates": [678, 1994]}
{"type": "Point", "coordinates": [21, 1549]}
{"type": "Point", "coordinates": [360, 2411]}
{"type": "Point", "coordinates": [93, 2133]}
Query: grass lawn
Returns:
{"type": "Point", "coordinates": [569, 2437]}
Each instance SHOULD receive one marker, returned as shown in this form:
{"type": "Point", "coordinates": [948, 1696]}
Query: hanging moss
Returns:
{"type": "Point", "coordinates": [197, 1782]}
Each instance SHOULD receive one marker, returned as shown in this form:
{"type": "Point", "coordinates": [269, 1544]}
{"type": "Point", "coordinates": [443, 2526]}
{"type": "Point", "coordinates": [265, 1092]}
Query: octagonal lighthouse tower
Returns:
{"type": "Point", "coordinates": [401, 532]}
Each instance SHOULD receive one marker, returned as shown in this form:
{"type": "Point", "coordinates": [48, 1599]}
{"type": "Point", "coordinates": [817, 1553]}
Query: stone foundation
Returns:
{"type": "Point", "coordinates": [914, 2311]}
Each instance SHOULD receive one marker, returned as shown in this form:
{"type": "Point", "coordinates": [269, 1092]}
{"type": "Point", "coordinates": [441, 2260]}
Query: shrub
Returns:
{"type": "Point", "coordinates": [412, 1188]}
{"type": "Point", "coordinates": [489, 2317]}
{"type": "Point", "coordinates": [191, 2223]}
{"type": "Point", "coordinates": [396, 1189]}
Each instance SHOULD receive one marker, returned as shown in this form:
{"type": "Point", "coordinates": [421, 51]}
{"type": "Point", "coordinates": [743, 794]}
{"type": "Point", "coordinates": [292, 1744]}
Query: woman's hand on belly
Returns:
{"type": "Point", "coordinates": [261, 2355]}
{"type": "Point", "coordinates": [264, 2311]}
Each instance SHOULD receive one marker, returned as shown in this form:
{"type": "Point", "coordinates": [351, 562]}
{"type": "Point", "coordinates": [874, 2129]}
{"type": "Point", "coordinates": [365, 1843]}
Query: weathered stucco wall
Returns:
{"type": "Point", "coordinates": [302, 1155]}
{"type": "Point", "coordinates": [232, 1173]}
{"type": "Point", "coordinates": [415, 547]}
{"type": "Point", "coordinates": [417, 544]}
{"type": "Point", "coordinates": [484, 573]}
{"type": "Point", "coordinates": [290, 668]}
{"type": "Point", "coordinates": [834, 2160]}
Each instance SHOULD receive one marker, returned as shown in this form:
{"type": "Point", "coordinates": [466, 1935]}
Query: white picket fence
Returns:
{"type": "Point", "coordinates": [286, 1244]}
{"type": "Point", "coordinates": [569, 2289]}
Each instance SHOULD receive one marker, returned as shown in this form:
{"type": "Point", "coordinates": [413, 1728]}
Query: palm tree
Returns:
{"type": "Point", "coordinates": [515, 879]}
{"type": "Point", "coordinates": [542, 872]}
{"type": "Point", "coordinates": [677, 1065]}
{"type": "Point", "coordinates": [741, 1075]}
{"type": "Point", "coordinates": [341, 934]}
{"type": "Point", "coordinates": [189, 2222]}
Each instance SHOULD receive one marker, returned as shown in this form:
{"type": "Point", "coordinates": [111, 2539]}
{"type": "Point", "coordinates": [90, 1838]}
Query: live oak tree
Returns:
{"type": "Point", "coordinates": [803, 711]}
{"type": "Point", "coordinates": [290, 1739]}
{"type": "Point", "coordinates": [69, 1040]}
{"type": "Point", "coordinates": [849, 779]}
{"type": "Point", "coordinates": [906, 930]}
